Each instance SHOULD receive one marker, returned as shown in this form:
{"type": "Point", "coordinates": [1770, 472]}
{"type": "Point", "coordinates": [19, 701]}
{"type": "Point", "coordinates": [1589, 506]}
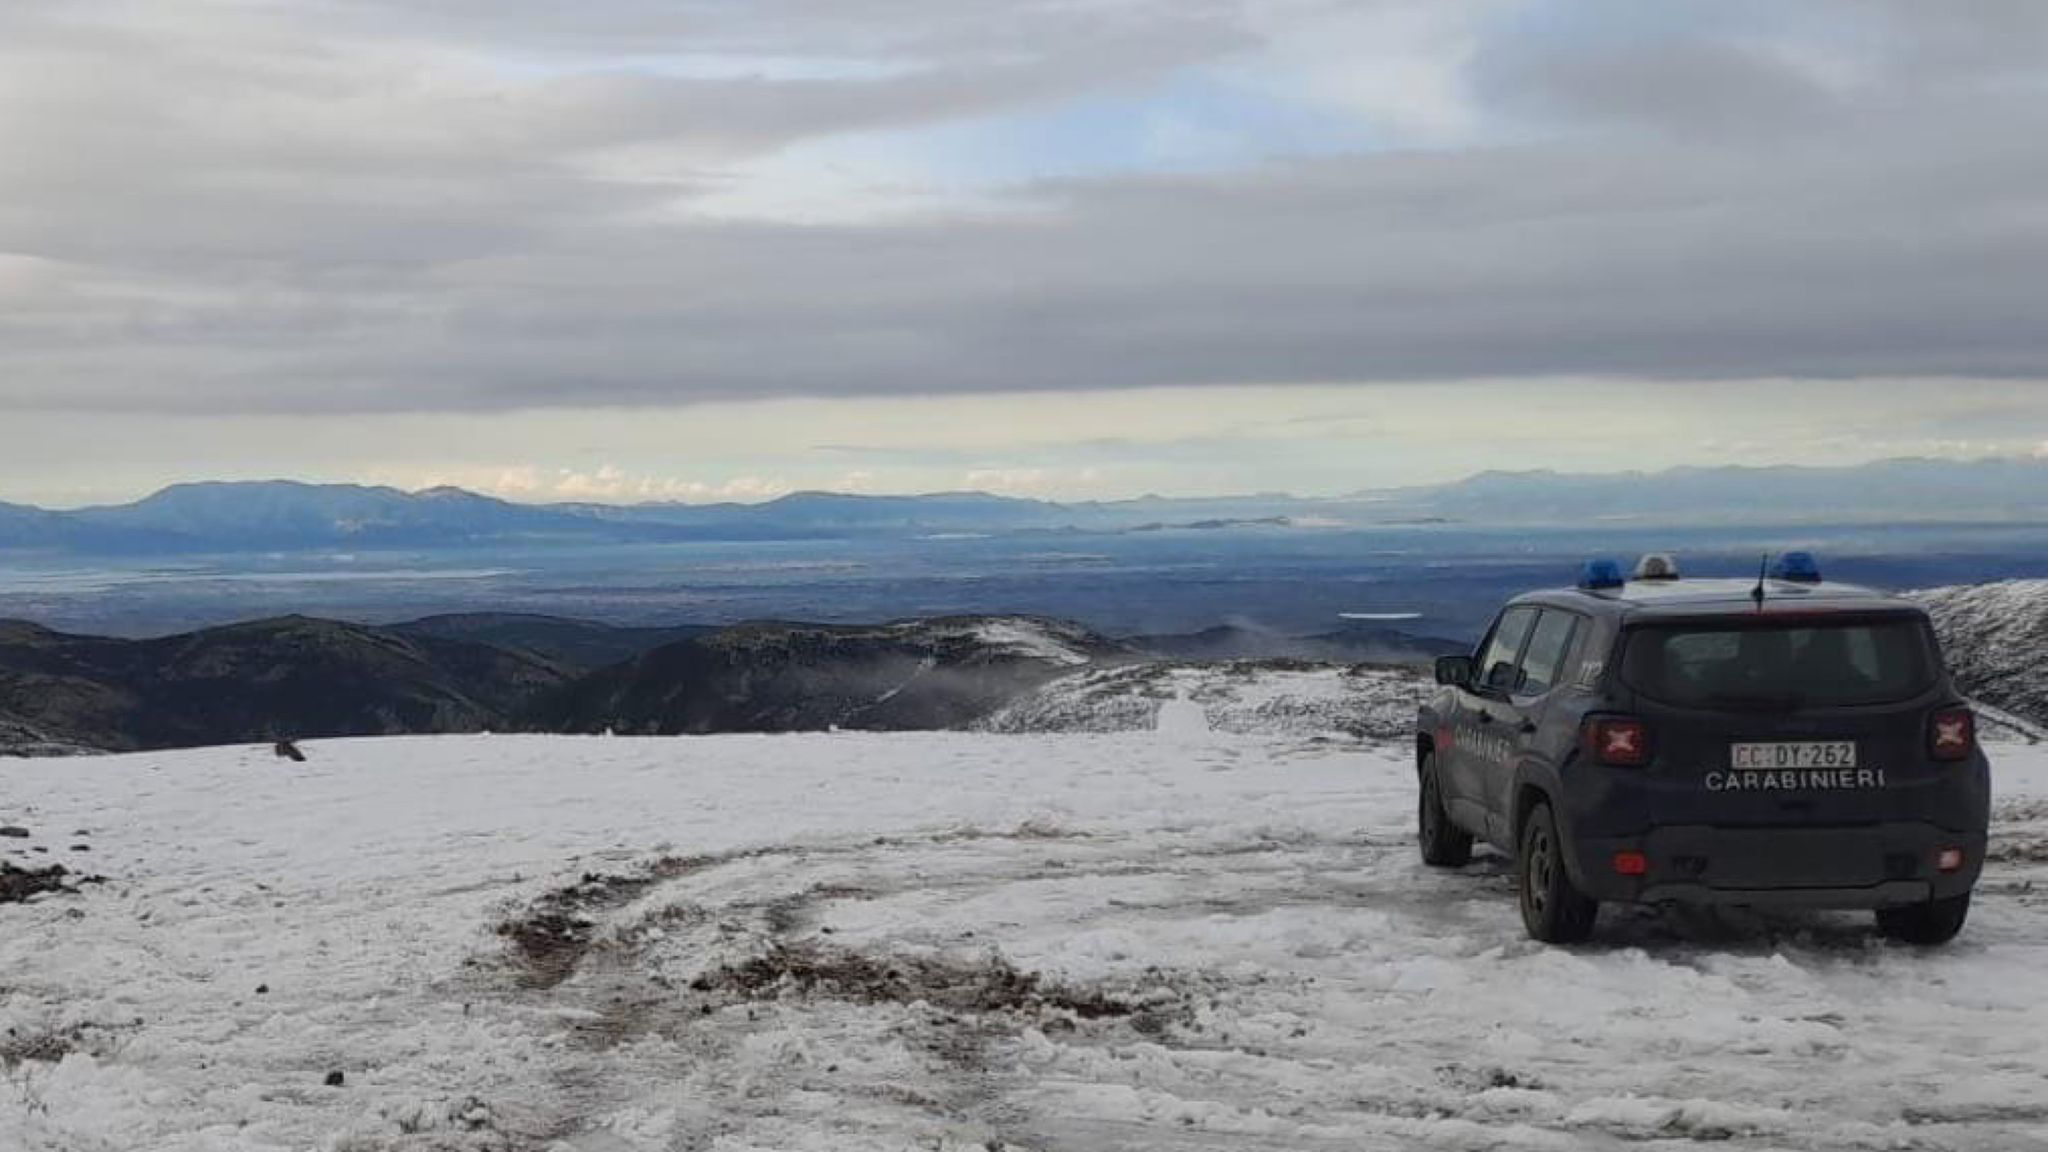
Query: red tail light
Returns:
{"type": "Point", "coordinates": [1952, 734]}
{"type": "Point", "coordinates": [1622, 741]}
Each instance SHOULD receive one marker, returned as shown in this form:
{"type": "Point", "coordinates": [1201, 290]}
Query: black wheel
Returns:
{"type": "Point", "coordinates": [1553, 909]}
{"type": "Point", "coordinates": [1935, 922]}
{"type": "Point", "coordinates": [1444, 844]}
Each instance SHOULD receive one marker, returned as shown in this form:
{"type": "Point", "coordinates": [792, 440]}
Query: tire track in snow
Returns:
{"type": "Point", "coordinates": [986, 1082]}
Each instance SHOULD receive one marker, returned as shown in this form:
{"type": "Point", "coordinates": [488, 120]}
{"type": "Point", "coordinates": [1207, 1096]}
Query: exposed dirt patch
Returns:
{"type": "Point", "coordinates": [1918, 1114]}
{"type": "Point", "coordinates": [549, 945]}
{"type": "Point", "coordinates": [2017, 850]}
{"type": "Point", "coordinates": [17, 885]}
{"type": "Point", "coordinates": [49, 1045]}
{"type": "Point", "coordinates": [2019, 809]}
{"type": "Point", "coordinates": [551, 938]}
{"type": "Point", "coordinates": [1481, 1079]}
{"type": "Point", "coordinates": [989, 985]}
{"type": "Point", "coordinates": [43, 1047]}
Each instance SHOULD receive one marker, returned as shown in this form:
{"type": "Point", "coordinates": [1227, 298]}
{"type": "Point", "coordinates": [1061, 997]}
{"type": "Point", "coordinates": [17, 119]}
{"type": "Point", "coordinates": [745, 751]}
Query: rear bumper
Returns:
{"type": "Point", "coordinates": [1862, 866]}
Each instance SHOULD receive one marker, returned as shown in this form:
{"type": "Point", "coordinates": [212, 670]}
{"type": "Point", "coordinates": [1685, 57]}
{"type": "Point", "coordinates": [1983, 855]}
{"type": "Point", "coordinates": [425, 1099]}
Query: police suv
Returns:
{"type": "Point", "coordinates": [1781, 742]}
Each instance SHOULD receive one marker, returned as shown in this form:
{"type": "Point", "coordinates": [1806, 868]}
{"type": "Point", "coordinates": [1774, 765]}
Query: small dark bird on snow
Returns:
{"type": "Point", "coordinates": [286, 750]}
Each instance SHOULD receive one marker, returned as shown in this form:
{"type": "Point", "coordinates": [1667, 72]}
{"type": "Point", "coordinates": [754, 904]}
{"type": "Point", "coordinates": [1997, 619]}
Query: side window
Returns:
{"type": "Point", "coordinates": [1549, 644]}
{"type": "Point", "coordinates": [1504, 646]}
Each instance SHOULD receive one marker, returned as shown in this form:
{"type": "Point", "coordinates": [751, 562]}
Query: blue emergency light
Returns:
{"type": "Point", "coordinates": [1601, 574]}
{"type": "Point", "coordinates": [1796, 568]}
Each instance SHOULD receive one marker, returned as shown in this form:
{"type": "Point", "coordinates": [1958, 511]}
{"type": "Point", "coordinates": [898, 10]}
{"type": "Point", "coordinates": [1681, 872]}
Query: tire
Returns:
{"type": "Point", "coordinates": [1935, 922]}
{"type": "Point", "coordinates": [1444, 844]}
{"type": "Point", "coordinates": [1553, 909]}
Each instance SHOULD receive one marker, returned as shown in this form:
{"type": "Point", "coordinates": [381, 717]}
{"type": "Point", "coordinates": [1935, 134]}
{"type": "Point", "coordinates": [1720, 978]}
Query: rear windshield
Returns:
{"type": "Point", "coordinates": [1768, 665]}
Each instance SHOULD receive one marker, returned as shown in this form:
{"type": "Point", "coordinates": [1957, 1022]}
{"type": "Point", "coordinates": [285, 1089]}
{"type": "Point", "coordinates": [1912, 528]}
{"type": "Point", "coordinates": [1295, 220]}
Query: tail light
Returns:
{"type": "Point", "coordinates": [1952, 734]}
{"type": "Point", "coordinates": [1622, 741]}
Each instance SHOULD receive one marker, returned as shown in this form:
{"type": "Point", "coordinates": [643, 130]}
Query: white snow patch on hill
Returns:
{"type": "Point", "coordinates": [1182, 719]}
{"type": "Point", "coordinates": [1993, 636]}
{"type": "Point", "coordinates": [1247, 698]}
{"type": "Point", "coordinates": [947, 941]}
{"type": "Point", "coordinates": [20, 739]}
{"type": "Point", "coordinates": [1032, 639]}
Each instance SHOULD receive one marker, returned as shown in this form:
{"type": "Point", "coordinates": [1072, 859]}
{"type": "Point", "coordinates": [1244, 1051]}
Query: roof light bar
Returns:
{"type": "Point", "coordinates": [1657, 566]}
{"type": "Point", "coordinates": [1599, 574]}
{"type": "Point", "coordinates": [1796, 568]}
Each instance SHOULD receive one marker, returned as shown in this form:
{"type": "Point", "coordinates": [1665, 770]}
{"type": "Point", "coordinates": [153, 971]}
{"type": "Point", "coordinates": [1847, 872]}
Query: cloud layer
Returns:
{"type": "Point", "coordinates": [478, 205]}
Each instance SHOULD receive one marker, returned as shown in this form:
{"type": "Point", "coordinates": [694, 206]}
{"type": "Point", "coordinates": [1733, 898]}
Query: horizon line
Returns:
{"type": "Point", "coordinates": [1353, 495]}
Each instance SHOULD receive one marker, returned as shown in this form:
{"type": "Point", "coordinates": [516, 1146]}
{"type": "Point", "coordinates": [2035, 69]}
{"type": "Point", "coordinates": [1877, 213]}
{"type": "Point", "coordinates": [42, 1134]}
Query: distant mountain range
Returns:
{"type": "Point", "coordinates": [269, 516]}
{"type": "Point", "coordinates": [1994, 489]}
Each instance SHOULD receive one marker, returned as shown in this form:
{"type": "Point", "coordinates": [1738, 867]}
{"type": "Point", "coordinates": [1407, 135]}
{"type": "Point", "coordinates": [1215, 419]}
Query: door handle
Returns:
{"type": "Point", "coordinates": [1528, 728]}
{"type": "Point", "coordinates": [1485, 717]}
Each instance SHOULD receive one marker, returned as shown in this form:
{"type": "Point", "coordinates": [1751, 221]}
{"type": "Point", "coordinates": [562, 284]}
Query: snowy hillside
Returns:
{"type": "Point", "coordinates": [18, 738]}
{"type": "Point", "coordinates": [914, 675]}
{"type": "Point", "coordinates": [1246, 698]}
{"type": "Point", "coordinates": [1170, 940]}
{"type": "Point", "coordinates": [1996, 639]}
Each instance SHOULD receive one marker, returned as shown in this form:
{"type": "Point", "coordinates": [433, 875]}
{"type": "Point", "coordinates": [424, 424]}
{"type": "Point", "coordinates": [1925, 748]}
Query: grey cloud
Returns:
{"type": "Point", "coordinates": [363, 225]}
{"type": "Point", "coordinates": [1758, 69]}
{"type": "Point", "coordinates": [1710, 87]}
{"type": "Point", "coordinates": [864, 31]}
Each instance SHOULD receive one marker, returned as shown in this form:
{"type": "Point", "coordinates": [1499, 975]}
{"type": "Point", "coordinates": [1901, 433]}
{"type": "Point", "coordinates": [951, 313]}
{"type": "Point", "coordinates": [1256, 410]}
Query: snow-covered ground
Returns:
{"type": "Point", "coordinates": [1172, 940]}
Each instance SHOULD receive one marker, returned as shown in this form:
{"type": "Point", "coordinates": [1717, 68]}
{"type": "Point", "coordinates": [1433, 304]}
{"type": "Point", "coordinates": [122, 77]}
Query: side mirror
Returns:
{"type": "Point", "coordinates": [1503, 677]}
{"type": "Point", "coordinates": [1454, 670]}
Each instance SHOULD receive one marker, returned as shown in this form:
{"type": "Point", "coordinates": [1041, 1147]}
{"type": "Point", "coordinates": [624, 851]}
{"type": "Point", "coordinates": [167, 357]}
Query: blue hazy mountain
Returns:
{"type": "Point", "coordinates": [269, 515]}
{"type": "Point", "coordinates": [1997, 489]}
{"type": "Point", "coordinates": [827, 513]}
{"type": "Point", "coordinates": [283, 515]}
{"type": "Point", "coordinates": [289, 516]}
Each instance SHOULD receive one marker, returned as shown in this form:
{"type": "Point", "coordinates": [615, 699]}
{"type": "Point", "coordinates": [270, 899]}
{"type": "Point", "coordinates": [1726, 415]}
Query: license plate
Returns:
{"type": "Point", "coordinates": [1804, 754]}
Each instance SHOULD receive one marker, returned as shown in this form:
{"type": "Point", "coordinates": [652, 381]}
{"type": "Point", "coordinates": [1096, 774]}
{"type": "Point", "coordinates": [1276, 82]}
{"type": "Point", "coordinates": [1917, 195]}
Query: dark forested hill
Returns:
{"type": "Point", "coordinates": [775, 677]}
{"type": "Point", "coordinates": [580, 645]}
{"type": "Point", "coordinates": [299, 677]}
{"type": "Point", "coordinates": [289, 677]}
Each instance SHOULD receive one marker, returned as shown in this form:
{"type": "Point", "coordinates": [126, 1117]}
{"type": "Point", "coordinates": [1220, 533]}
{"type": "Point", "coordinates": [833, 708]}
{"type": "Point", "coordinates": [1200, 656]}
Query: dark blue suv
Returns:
{"type": "Point", "coordinates": [1782, 742]}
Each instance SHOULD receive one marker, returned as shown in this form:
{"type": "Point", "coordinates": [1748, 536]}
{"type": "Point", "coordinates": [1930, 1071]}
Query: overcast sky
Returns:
{"type": "Point", "coordinates": [706, 248]}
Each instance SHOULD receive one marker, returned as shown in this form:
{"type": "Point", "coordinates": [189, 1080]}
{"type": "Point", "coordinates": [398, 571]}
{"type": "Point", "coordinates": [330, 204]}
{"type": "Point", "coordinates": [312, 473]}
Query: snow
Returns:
{"type": "Point", "coordinates": [1992, 636]}
{"type": "Point", "coordinates": [1248, 698]}
{"type": "Point", "coordinates": [1182, 719]}
{"type": "Point", "coordinates": [1031, 639]}
{"type": "Point", "coordinates": [951, 941]}
{"type": "Point", "coordinates": [924, 666]}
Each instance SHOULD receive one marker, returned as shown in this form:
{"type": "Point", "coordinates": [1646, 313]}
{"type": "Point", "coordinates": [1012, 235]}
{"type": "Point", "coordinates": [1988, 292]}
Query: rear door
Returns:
{"type": "Point", "coordinates": [1788, 721]}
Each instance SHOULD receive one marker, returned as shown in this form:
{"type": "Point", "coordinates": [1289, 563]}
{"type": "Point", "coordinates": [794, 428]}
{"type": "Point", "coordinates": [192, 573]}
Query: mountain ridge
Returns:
{"type": "Point", "coordinates": [253, 516]}
{"type": "Point", "coordinates": [306, 677]}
